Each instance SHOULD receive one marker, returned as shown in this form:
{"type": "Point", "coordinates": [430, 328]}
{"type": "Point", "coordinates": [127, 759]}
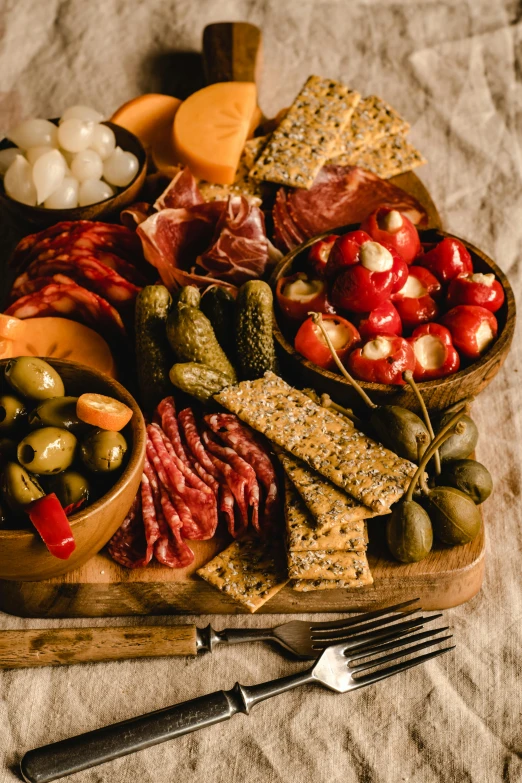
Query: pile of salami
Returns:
{"type": "Point", "coordinates": [340, 196]}
{"type": "Point", "coordinates": [195, 474]}
{"type": "Point", "coordinates": [83, 270]}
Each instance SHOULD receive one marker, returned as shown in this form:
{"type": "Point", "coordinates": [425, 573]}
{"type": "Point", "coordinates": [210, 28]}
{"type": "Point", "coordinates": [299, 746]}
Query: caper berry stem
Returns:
{"type": "Point", "coordinates": [408, 377]}
{"type": "Point", "coordinates": [443, 435]}
{"type": "Point", "coordinates": [318, 321]}
{"type": "Point", "coordinates": [461, 405]}
{"type": "Point", "coordinates": [327, 402]}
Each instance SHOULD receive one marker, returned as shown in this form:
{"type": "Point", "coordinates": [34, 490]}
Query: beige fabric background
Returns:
{"type": "Point", "coordinates": [453, 68]}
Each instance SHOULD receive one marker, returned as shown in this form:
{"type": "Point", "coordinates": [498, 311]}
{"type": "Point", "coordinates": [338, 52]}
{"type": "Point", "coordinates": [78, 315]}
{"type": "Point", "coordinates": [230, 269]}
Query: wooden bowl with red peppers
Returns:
{"type": "Point", "coordinates": [470, 380]}
{"type": "Point", "coordinates": [23, 555]}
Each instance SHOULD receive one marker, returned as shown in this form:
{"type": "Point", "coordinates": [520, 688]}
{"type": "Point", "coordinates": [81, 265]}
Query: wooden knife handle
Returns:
{"type": "Point", "coordinates": [58, 646]}
{"type": "Point", "coordinates": [232, 52]}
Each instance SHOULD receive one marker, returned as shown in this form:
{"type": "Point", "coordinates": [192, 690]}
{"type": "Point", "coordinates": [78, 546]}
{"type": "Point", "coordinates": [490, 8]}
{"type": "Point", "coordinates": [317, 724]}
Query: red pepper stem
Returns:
{"type": "Point", "coordinates": [408, 377]}
{"type": "Point", "coordinates": [443, 435]}
{"type": "Point", "coordinates": [318, 321]}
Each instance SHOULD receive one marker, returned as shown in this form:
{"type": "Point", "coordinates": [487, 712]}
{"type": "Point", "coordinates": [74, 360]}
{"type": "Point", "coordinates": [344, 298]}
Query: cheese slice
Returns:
{"type": "Point", "coordinates": [211, 128]}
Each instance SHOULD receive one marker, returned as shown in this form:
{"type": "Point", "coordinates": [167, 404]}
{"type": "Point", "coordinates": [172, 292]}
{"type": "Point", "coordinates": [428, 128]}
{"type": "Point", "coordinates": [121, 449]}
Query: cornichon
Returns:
{"type": "Point", "coordinates": [192, 339]}
{"type": "Point", "coordinates": [153, 354]}
{"type": "Point", "coordinates": [254, 338]}
{"type": "Point", "coordinates": [188, 295]}
{"type": "Point", "coordinates": [219, 306]}
{"type": "Point", "coordinates": [198, 380]}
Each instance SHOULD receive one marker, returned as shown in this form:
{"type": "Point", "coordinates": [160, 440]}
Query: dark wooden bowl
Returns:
{"type": "Point", "coordinates": [23, 555]}
{"type": "Point", "coordinates": [39, 217]}
{"type": "Point", "coordinates": [437, 394]}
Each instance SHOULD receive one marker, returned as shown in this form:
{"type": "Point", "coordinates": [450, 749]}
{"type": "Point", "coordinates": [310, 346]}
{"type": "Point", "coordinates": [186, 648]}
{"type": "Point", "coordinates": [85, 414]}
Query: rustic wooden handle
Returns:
{"type": "Point", "coordinates": [58, 646]}
{"type": "Point", "coordinates": [232, 52]}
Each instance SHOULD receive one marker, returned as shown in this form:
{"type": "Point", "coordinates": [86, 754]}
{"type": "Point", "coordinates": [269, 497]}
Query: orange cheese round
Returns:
{"type": "Point", "coordinates": [211, 127]}
{"type": "Point", "coordinates": [149, 117]}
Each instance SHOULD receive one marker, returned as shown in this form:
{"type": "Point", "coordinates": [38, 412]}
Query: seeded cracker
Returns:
{"type": "Point", "coordinates": [302, 534]}
{"type": "Point", "coordinates": [326, 442]}
{"type": "Point", "coordinates": [249, 571]}
{"type": "Point", "coordinates": [306, 585]}
{"type": "Point", "coordinates": [391, 156]}
{"type": "Point", "coordinates": [329, 506]}
{"type": "Point", "coordinates": [243, 184]}
{"type": "Point", "coordinates": [308, 134]}
{"type": "Point", "coordinates": [329, 564]}
{"type": "Point", "coordinates": [373, 119]}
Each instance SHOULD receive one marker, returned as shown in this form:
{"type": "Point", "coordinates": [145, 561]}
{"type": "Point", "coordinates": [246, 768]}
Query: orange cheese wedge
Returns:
{"type": "Point", "coordinates": [211, 127]}
{"type": "Point", "coordinates": [149, 117]}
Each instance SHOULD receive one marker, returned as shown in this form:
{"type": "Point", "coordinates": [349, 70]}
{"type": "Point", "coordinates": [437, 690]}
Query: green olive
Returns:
{"type": "Point", "coordinates": [18, 487]}
{"type": "Point", "coordinates": [34, 378]}
{"type": "Point", "coordinates": [70, 487]}
{"type": "Point", "coordinates": [469, 476]}
{"type": "Point", "coordinates": [48, 450]}
{"type": "Point", "coordinates": [12, 412]}
{"type": "Point", "coordinates": [57, 412]}
{"type": "Point", "coordinates": [103, 451]}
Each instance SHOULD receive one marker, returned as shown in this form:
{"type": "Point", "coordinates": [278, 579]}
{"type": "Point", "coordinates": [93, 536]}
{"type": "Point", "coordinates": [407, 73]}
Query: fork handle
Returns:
{"type": "Point", "coordinates": [111, 742]}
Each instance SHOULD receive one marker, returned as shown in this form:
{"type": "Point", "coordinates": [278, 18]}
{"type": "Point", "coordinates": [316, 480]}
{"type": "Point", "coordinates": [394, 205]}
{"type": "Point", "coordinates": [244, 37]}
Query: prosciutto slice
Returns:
{"type": "Point", "coordinates": [342, 195]}
{"type": "Point", "coordinates": [181, 193]}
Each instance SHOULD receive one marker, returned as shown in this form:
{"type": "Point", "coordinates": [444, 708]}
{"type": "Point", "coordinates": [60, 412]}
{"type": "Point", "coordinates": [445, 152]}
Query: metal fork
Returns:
{"type": "Point", "coordinates": [341, 668]}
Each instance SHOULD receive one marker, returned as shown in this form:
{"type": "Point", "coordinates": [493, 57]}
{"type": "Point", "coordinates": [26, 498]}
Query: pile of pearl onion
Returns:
{"type": "Point", "coordinates": [74, 163]}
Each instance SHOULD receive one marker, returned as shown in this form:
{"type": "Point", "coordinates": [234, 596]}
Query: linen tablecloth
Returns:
{"type": "Point", "coordinates": [453, 69]}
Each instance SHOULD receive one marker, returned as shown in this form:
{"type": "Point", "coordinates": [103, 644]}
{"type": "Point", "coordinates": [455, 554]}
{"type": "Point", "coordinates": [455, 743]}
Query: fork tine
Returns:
{"type": "Point", "coordinates": [371, 649]}
{"type": "Point", "coordinates": [361, 667]}
{"type": "Point", "coordinates": [361, 618]}
{"type": "Point", "coordinates": [335, 632]}
{"type": "Point", "coordinates": [383, 634]}
{"type": "Point", "coordinates": [368, 679]}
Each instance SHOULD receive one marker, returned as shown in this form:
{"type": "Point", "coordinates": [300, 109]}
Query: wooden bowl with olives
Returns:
{"type": "Point", "coordinates": [472, 377]}
{"type": "Point", "coordinates": [109, 493]}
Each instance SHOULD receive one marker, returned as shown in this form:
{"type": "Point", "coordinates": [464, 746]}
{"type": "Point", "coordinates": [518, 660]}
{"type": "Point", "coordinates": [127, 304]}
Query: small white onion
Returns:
{"type": "Point", "coordinates": [92, 191]}
{"type": "Point", "coordinates": [87, 165]}
{"type": "Point", "coordinates": [34, 133]}
{"type": "Point", "coordinates": [33, 153]}
{"type": "Point", "coordinates": [103, 141]}
{"type": "Point", "coordinates": [81, 113]}
{"type": "Point", "coordinates": [120, 168]}
{"type": "Point", "coordinates": [75, 135]}
{"type": "Point", "coordinates": [65, 196]}
{"type": "Point", "coordinates": [48, 174]}
{"type": "Point", "coordinates": [7, 156]}
{"type": "Point", "coordinates": [18, 182]}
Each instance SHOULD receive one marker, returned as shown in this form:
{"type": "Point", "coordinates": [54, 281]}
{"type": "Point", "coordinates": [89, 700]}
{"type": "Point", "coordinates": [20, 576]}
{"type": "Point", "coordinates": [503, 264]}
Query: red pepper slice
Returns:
{"type": "Point", "coordinates": [48, 517]}
{"type": "Point", "coordinates": [472, 328]}
{"type": "Point", "coordinates": [345, 252]}
{"type": "Point", "coordinates": [435, 355]}
{"type": "Point", "coordinates": [382, 360]}
{"type": "Point", "coordinates": [392, 229]}
{"type": "Point", "coordinates": [299, 294]}
{"type": "Point", "coordinates": [447, 260]}
{"type": "Point", "coordinates": [384, 319]}
{"type": "Point", "coordinates": [310, 343]}
{"type": "Point", "coordinates": [476, 289]}
{"type": "Point", "coordinates": [414, 302]}
{"type": "Point", "coordinates": [320, 252]}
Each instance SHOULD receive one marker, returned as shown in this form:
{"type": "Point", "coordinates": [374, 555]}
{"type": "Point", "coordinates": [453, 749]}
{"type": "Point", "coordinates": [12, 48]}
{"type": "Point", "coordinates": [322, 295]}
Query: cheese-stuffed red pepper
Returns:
{"type": "Point", "coordinates": [320, 252]}
{"type": "Point", "coordinates": [435, 355]}
{"type": "Point", "coordinates": [414, 302]}
{"type": "Point", "coordinates": [310, 343]}
{"type": "Point", "coordinates": [370, 282]}
{"type": "Point", "coordinates": [472, 328]}
{"type": "Point", "coordinates": [345, 252]}
{"type": "Point", "coordinates": [476, 289]}
{"type": "Point", "coordinates": [298, 294]}
{"type": "Point", "coordinates": [384, 319]}
{"type": "Point", "coordinates": [391, 228]}
{"type": "Point", "coordinates": [382, 360]}
{"type": "Point", "coordinates": [447, 260]}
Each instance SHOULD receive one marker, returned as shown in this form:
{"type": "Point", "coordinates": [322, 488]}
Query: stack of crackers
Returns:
{"type": "Point", "coordinates": [335, 478]}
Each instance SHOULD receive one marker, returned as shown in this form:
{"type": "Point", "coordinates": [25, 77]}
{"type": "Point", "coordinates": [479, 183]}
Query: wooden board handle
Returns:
{"type": "Point", "coordinates": [58, 646]}
{"type": "Point", "coordinates": [232, 52]}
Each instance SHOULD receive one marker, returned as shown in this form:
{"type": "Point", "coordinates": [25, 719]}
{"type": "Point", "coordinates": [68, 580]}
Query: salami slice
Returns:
{"type": "Point", "coordinates": [240, 438]}
{"type": "Point", "coordinates": [169, 425]}
{"type": "Point", "coordinates": [129, 546]}
{"type": "Point", "coordinates": [237, 463]}
{"type": "Point", "coordinates": [342, 195]}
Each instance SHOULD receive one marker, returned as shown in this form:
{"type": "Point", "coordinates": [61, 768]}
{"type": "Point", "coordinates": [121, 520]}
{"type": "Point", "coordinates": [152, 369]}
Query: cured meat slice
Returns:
{"type": "Point", "coordinates": [167, 412]}
{"type": "Point", "coordinates": [67, 250]}
{"type": "Point", "coordinates": [70, 300]}
{"type": "Point", "coordinates": [342, 195]}
{"type": "Point", "coordinates": [240, 249]}
{"type": "Point", "coordinates": [129, 546]}
{"type": "Point", "coordinates": [282, 215]}
{"type": "Point", "coordinates": [137, 213]}
{"type": "Point", "coordinates": [169, 548]}
{"type": "Point", "coordinates": [31, 286]}
{"type": "Point", "coordinates": [221, 472]}
{"type": "Point", "coordinates": [196, 507]}
{"type": "Point", "coordinates": [229, 456]}
{"type": "Point", "coordinates": [84, 270]}
{"type": "Point", "coordinates": [181, 193]}
{"type": "Point", "coordinates": [239, 437]}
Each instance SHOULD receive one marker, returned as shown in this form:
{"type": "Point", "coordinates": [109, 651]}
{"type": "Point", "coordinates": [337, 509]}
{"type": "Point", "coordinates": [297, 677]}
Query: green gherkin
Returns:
{"type": "Point", "coordinates": [254, 325]}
